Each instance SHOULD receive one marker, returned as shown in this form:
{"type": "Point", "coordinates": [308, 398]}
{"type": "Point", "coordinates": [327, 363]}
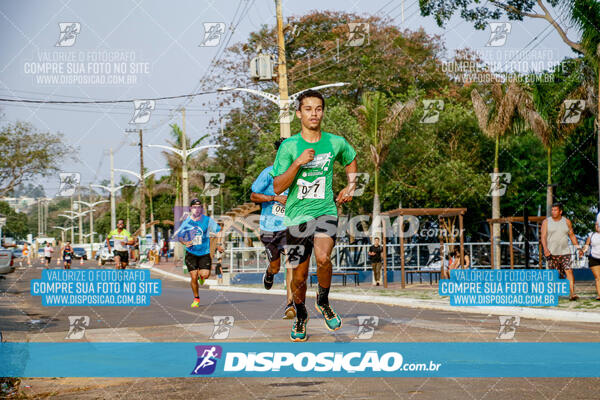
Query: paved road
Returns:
{"type": "Point", "coordinates": [257, 318]}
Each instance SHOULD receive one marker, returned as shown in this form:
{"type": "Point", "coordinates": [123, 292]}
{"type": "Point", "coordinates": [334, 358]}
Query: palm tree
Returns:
{"type": "Point", "coordinates": [542, 111]}
{"type": "Point", "coordinates": [585, 16]}
{"type": "Point", "coordinates": [379, 124]}
{"type": "Point", "coordinates": [495, 120]}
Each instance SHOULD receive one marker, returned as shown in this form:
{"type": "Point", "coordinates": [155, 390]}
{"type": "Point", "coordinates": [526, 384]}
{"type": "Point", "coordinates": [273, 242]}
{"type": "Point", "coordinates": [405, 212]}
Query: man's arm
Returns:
{"type": "Point", "coordinates": [544, 234]}
{"type": "Point", "coordinates": [263, 198]}
{"type": "Point", "coordinates": [573, 238]}
{"type": "Point", "coordinates": [285, 180]}
{"type": "Point", "coordinates": [346, 193]}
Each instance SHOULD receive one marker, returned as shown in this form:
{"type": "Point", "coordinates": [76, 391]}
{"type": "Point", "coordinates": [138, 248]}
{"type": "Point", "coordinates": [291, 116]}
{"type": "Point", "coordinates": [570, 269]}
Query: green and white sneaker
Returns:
{"type": "Point", "coordinates": [298, 333]}
{"type": "Point", "coordinates": [333, 321]}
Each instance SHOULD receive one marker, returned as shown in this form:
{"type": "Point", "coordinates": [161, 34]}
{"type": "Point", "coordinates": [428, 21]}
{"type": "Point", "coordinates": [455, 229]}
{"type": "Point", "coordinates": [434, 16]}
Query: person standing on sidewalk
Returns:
{"type": "Point", "coordinates": [556, 232]}
{"type": "Point", "coordinates": [375, 257]}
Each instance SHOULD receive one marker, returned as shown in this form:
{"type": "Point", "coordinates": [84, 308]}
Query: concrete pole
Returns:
{"type": "Point", "coordinates": [80, 218]}
{"type": "Point", "coordinates": [113, 206]}
{"type": "Point", "coordinates": [284, 106]}
{"type": "Point", "coordinates": [142, 188]}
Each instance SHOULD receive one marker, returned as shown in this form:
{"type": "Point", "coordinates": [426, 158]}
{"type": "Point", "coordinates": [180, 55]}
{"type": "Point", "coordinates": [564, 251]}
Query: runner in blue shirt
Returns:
{"type": "Point", "coordinates": [194, 233]}
{"type": "Point", "coordinates": [272, 230]}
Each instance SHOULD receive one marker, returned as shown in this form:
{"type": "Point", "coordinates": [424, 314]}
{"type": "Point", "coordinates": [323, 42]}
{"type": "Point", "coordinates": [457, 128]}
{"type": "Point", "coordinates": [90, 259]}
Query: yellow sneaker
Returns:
{"type": "Point", "coordinates": [196, 303]}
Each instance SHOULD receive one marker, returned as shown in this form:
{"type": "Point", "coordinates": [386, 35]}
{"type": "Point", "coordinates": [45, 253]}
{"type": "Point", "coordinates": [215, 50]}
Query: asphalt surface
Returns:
{"type": "Point", "coordinates": [258, 318]}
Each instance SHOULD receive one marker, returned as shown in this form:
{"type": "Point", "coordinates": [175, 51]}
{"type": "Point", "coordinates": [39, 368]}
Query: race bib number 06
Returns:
{"type": "Point", "coordinates": [279, 210]}
{"type": "Point", "coordinates": [311, 190]}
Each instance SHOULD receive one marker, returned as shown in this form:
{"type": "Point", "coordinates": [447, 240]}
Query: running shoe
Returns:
{"type": "Point", "coordinates": [268, 280]}
{"type": "Point", "coordinates": [298, 333]}
{"type": "Point", "coordinates": [290, 311]}
{"type": "Point", "coordinates": [333, 321]}
{"type": "Point", "coordinates": [196, 303]}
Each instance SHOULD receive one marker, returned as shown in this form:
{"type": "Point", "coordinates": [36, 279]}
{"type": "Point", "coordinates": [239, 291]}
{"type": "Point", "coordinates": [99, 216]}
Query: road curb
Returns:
{"type": "Point", "coordinates": [525, 312]}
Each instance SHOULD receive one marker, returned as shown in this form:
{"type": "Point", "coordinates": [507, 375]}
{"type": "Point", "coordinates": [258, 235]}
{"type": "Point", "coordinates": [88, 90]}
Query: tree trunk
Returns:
{"type": "Point", "coordinates": [128, 228]}
{"type": "Point", "coordinates": [376, 228]}
{"type": "Point", "coordinates": [549, 197]}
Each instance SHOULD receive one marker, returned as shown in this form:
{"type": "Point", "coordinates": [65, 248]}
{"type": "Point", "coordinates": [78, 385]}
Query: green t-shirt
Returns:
{"type": "Point", "coordinates": [118, 238]}
{"type": "Point", "coordinates": [311, 192]}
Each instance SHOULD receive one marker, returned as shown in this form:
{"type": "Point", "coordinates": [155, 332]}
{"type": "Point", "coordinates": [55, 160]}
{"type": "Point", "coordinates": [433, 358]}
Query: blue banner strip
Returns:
{"type": "Point", "coordinates": [367, 359]}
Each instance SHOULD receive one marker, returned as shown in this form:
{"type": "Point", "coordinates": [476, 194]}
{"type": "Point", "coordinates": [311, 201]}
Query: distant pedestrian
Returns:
{"type": "Point", "coordinates": [375, 257]}
{"type": "Point", "coordinates": [48, 250]}
{"type": "Point", "coordinates": [592, 243]}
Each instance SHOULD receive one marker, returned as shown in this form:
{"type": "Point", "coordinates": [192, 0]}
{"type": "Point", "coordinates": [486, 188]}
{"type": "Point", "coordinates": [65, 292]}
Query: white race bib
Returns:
{"type": "Point", "coordinates": [311, 190]}
{"type": "Point", "coordinates": [278, 210]}
{"type": "Point", "coordinates": [197, 240]}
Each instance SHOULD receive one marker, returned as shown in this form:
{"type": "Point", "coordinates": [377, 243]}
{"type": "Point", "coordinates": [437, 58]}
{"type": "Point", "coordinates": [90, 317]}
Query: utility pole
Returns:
{"type": "Point", "coordinates": [284, 101]}
{"type": "Point", "coordinates": [72, 229]}
{"type": "Point", "coordinates": [142, 188]}
{"type": "Point", "coordinates": [80, 216]}
{"type": "Point", "coordinates": [113, 205]}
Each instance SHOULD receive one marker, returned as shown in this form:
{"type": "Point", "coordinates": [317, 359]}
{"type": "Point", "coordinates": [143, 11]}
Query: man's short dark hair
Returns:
{"type": "Point", "coordinates": [559, 205]}
{"type": "Point", "coordinates": [310, 93]}
{"type": "Point", "coordinates": [278, 143]}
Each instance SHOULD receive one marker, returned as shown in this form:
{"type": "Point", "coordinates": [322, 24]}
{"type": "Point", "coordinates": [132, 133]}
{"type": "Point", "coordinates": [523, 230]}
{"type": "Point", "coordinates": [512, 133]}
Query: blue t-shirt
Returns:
{"type": "Point", "coordinates": [271, 215]}
{"type": "Point", "coordinates": [197, 232]}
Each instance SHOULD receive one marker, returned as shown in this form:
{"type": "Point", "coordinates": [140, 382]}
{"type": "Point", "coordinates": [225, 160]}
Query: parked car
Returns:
{"type": "Point", "coordinates": [104, 255]}
{"type": "Point", "coordinates": [79, 252]}
{"type": "Point", "coordinates": [6, 261]}
{"type": "Point", "coordinates": [17, 253]}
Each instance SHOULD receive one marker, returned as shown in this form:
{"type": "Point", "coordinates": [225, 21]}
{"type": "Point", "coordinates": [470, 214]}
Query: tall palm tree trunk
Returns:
{"type": "Point", "coordinates": [376, 231]}
{"type": "Point", "coordinates": [496, 207]}
{"type": "Point", "coordinates": [549, 197]}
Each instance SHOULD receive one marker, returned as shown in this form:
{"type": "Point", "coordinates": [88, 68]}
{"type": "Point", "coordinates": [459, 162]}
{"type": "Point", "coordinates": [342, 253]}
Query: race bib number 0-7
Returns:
{"type": "Point", "coordinates": [278, 210]}
{"type": "Point", "coordinates": [311, 190]}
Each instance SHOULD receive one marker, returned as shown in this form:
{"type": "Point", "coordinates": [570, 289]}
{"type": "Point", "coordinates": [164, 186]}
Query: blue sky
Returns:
{"type": "Point", "coordinates": [162, 39]}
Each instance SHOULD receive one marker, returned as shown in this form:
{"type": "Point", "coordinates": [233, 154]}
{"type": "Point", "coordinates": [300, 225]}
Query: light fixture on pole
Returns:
{"type": "Point", "coordinates": [91, 209]}
{"type": "Point", "coordinates": [141, 179]}
{"type": "Point", "coordinates": [283, 104]}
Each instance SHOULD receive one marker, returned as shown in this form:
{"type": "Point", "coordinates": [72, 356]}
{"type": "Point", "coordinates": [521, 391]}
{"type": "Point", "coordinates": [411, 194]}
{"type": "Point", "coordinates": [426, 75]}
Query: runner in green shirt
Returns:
{"type": "Point", "coordinates": [304, 164]}
{"type": "Point", "coordinates": [122, 238]}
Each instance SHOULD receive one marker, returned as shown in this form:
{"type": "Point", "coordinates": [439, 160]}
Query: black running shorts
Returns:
{"type": "Point", "coordinates": [274, 243]}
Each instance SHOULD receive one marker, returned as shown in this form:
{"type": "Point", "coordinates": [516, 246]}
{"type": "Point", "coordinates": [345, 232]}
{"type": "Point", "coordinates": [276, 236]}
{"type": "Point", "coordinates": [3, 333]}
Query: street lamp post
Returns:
{"type": "Point", "coordinates": [141, 179]}
{"type": "Point", "coordinates": [91, 211]}
{"type": "Point", "coordinates": [283, 104]}
{"type": "Point", "coordinates": [113, 208]}
{"type": "Point", "coordinates": [62, 231]}
{"type": "Point", "coordinates": [71, 218]}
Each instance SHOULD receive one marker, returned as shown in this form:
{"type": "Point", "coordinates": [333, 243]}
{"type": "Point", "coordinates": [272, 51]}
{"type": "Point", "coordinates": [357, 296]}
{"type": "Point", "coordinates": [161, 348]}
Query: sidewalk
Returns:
{"type": "Point", "coordinates": [424, 296]}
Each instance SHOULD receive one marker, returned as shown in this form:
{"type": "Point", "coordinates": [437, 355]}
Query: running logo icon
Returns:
{"type": "Point", "coordinates": [142, 110]}
{"type": "Point", "coordinates": [500, 182]}
{"type": "Point", "coordinates": [366, 326]}
{"type": "Point", "coordinates": [212, 183]}
{"type": "Point", "coordinates": [77, 325]}
{"type": "Point", "coordinates": [508, 327]}
{"type": "Point", "coordinates": [212, 34]}
{"type": "Point", "coordinates": [361, 180]}
{"type": "Point", "coordinates": [358, 33]}
{"type": "Point", "coordinates": [68, 183]}
{"type": "Point", "coordinates": [68, 33]}
{"type": "Point", "coordinates": [498, 33]}
{"type": "Point", "coordinates": [222, 328]}
{"type": "Point", "coordinates": [207, 359]}
{"type": "Point", "coordinates": [573, 111]}
{"type": "Point", "coordinates": [431, 111]}
{"type": "Point", "coordinates": [294, 253]}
